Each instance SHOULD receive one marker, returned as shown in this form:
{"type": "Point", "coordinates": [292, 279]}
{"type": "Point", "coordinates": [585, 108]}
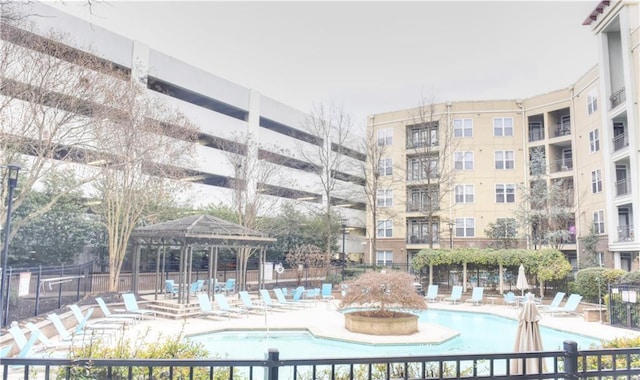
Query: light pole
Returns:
{"type": "Point", "coordinates": [343, 225]}
{"type": "Point", "coordinates": [450, 224]}
{"type": "Point", "coordinates": [12, 182]}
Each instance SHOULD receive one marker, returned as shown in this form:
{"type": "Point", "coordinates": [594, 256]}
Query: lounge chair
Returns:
{"type": "Point", "coordinates": [79, 335]}
{"type": "Point", "coordinates": [476, 295]}
{"type": "Point", "coordinates": [223, 304]}
{"type": "Point", "coordinates": [170, 288]}
{"type": "Point", "coordinates": [83, 320]}
{"type": "Point", "coordinates": [268, 301]}
{"type": "Point", "coordinates": [196, 287]}
{"type": "Point", "coordinates": [206, 309]}
{"type": "Point", "coordinates": [569, 307]}
{"type": "Point", "coordinates": [131, 306]}
{"type": "Point", "coordinates": [119, 316]}
{"type": "Point", "coordinates": [432, 293]}
{"type": "Point", "coordinates": [456, 294]}
{"type": "Point", "coordinates": [248, 304]}
{"type": "Point", "coordinates": [298, 296]}
{"type": "Point", "coordinates": [510, 299]}
{"type": "Point", "coordinates": [4, 350]}
{"type": "Point", "coordinates": [26, 346]}
{"type": "Point", "coordinates": [229, 286]}
{"type": "Point", "coordinates": [46, 342]}
{"type": "Point", "coordinates": [555, 302]}
{"type": "Point", "coordinates": [326, 292]}
{"type": "Point", "coordinates": [283, 301]}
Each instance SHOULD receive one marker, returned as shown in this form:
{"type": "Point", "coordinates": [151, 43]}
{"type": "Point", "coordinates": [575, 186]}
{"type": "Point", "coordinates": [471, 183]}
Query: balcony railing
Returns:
{"type": "Point", "coordinates": [536, 135]}
{"type": "Point", "coordinates": [623, 187]}
{"type": "Point", "coordinates": [562, 129]}
{"type": "Point", "coordinates": [625, 233]}
{"type": "Point", "coordinates": [422, 206]}
{"type": "Point", "coordinates": [422, 239]}
{"type": "Point", "coordinates": [563, 165]}
{"type": "Point", "coordinates": [620, 142]}
{"type": "Point", "coordinates": [617, 98]}
{"type": "Point", "coordinates": [420, 143]}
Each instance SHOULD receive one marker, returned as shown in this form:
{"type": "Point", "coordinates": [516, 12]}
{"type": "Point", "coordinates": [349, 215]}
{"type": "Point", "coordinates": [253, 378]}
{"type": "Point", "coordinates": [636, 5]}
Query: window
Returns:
{"type": "Point", "coordinates": [598, 221]}
{"type": "Point", "coordinates": [384, 198]}
{"type": "Point", "coordinates": [504, 159]}
{"type": "Point", "coordinates": [385, 167]}
{"type": "Point", "coordinates": [463, 127]}
{"type": "Point", "coordinates": [422, 135]}
{"type": "Point", "coordinates": [594, 140]}
{"type": "Point", "coordinates": [503, 126]}
{"type": "Point", "coordinates": [385, 137]}
{"type": "Point", "coordinates": [506, 193]}
{"type": "Point", "coordinates": [592, 102]}
{"type": "Point", "coordinates": [465, 227]}
{"type": "Point", "coordinates": [464, 193]}
{"type": "Point", "coordinates": [384, 258]}
{"type": "Point", "coordinates": [596, 181]}
{"type": "Point", "coordinates": [422, 168]}
{"type": "Point", "coordinates": [424, 199]}
{"type": "Point", "coordinates": [463, 160]}
{"type": "Point", "coordinates": [385, 228]}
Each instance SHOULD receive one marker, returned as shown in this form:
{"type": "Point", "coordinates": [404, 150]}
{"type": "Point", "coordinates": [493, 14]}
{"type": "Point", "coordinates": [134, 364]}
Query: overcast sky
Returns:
{"type": "Point", "coordinates": [368, 57]}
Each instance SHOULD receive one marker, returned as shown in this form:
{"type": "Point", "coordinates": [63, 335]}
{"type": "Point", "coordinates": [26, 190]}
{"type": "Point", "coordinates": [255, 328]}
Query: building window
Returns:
{"type": "Point", "coordinates": [384, 198]}
{"type": "Point", "coordinates": [594, 140]}
{"type": "Point", "coordinates": [592, 102]}
{"type": "Point", "coordinates": [596, 181]}
{"type": "Point", "coordinates": [503, 126]}
{"type": "Point", "coordinates": [505, 159]}
{"type": "Point", "coordinates": [463, 160]}
{"type": "Point", "coordinates": [384, 258]}
{"type": "Point", "coordinates": [464, 193]}
{"type": "Point", "coordinates": [422, 168]}
{"type": "Point", "coordinates": [385, 137]}
{"type": "Point", "coordinates": [598, 221]}
{"type": "Point", "coordinates": [385, 167]}
{"type": "Point", "coordinates": [385, 229]}
{"type": "Point", "coordinates": [506, 193]}
{"type": "Point", "coordinates": [465, 227]}
{"type": "Point", "coordinates": [463, 127]}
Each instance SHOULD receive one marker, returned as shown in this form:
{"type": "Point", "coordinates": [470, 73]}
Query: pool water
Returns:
{"type": "Point", "coordinates": [479, 333]}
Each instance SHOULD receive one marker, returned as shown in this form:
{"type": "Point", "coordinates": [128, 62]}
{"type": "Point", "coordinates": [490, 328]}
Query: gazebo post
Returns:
{"type": "Point", "coordinates": [215, 264]}
{"type": "Point", "coordinates": [158, 276]}
{"type": "Point", "coordinates": [211, 280]}
{"type": "Point", "coordinates": [135, 270]}
{"type": "Point", "coordinates": [181, 277]}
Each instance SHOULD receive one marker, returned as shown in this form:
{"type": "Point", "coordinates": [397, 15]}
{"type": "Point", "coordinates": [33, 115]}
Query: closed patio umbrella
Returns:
{"type": "Point", "coordinates": [521, 283]}
{"type": "Point", "coordinates": [528, 339]}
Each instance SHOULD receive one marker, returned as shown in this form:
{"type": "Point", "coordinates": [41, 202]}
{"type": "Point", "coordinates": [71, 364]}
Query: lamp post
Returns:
{"type": "Point", "coordinates": [12, 182]}
{"type": "Point", "coordinates": [343, 225]}
{"type": "Point", "coordinates": [450, 224]}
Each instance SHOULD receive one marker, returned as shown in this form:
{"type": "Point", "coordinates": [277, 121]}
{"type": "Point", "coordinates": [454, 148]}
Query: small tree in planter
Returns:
{"type": "Point", "coordinates": [388, 303]}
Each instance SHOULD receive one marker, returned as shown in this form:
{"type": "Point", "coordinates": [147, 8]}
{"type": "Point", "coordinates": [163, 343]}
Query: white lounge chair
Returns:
{"type": "Point", "coordinates": [129, 318]}
{"type": "Point", "coordinates": [223, 304]}
{"type": "Point", "coordinates": [267, 300]}
{"type": "Point", "coordinates": [569, 307]}
{"type": "Point", "coordinates": [27, 346]}
{"type": "Point", "coordinates": [248, 304]}
{"type": "Point", "coordinates": [432, 293]}
{"type": "Point", "coordinates": [131, 306]}
{"type": "Point", "coordinates": [83, 320]}
{"type": "Point", "coordinates": [476, 295]}
{"type": "Point", "coordinates": [456, 294]}
{"type": "Point", "coordinates": [206, 309]}
{"type": "Point", "coordinates": [283, 301]}
{"type": "Point", "coordinates": [555, 302]}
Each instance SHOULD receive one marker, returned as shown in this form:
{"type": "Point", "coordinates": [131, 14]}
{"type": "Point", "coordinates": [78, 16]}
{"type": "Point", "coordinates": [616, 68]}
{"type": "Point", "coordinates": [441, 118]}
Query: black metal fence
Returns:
{"type": "Point", "coordinates": [38, 290]}
{"type": "Point", "coordinates": [568, 363]}
{"type": "Point", "coordinates": [624, 306]}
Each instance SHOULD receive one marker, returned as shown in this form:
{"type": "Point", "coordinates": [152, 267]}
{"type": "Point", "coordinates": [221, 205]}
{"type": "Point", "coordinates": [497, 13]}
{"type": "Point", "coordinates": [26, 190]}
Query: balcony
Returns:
{"type": "Point", "coordinates": [617, 98]}
{"type": "Point", "coordinates": [562, 129]}
{"type": "Point", "coordinates": [422, 143]}
{"type": "Point", "coordinates": [563, 165]}
{"type": "Point", "coordinates": [421, 207]}
{"type": "Point", "coordinates": [421, 239]}
{"type": "Point", "coordinates": [536, 135]}
{"type": "Point", "coordinates": [623, 187]}
{"type": "Point", "coordinates": [620, 142]}
{"type": "Point", "coordinates": [625, 233]}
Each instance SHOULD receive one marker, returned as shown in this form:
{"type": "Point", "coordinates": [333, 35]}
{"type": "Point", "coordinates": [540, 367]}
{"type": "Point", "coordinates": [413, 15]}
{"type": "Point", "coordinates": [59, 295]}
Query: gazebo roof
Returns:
{"type": "Point", "coordinates": [204, 229]}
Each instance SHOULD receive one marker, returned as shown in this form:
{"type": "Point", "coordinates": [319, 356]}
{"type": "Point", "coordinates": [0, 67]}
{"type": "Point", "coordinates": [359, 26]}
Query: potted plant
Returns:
{"type": "Point", "coordinates": [382, 303]}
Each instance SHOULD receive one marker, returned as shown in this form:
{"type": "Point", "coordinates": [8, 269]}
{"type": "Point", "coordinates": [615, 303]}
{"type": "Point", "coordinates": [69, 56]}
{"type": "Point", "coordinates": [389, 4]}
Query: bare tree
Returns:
{"type": "Point", "coordinates": [142, 148]}
{"type": "Point", "coordinates": [431, 146]}
{"type": "Point", "coordinates": [310, 257]}
{"type": "Point", "coordinates": [330, 125]}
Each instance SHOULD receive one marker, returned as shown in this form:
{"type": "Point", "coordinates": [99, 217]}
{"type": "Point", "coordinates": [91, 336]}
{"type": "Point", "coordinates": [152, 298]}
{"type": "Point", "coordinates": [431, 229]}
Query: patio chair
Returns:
{"type": "Point", "coordinates": [229, 286]}
{"type": "Point", "coordinates": [248, 304]}
{"type": "Point", "coordinates": [170, 288]}
{"type": "Point", "coordinates": [196, 287]}
{"type": "Point", "coordinates": [268, 301]}
{"type": "Point", "coordinates": [569, 307]}
{"type": "Point", "coordinates": [223, 304]}
{"type": "Point", "coordinates": [299, 294]}
{"type": "Point", "coordinates": [476, 295]}
{"type": "Point", "coordinates": [83, 320]}
{"type": "Point", "coordinates": [108, 315]}
{"type": "Point", "coordinates": [26, 346]}
{"type": "Point", "coordinates": [206, 309]}
{"type": "Point", "coordinates": [555, 302]}
{"type": "Point", "coordinates": [283, 301]}
{"type": "Point", "coordinates": [131, 306]}
{"type": "Point", "coordinates": [510, 299]}
{"type": "Point", "coordinates": [326, 291]}
{"type": "Point", "coordinates": [432, 293]}
{"type": "Point", "coordinates": [4, 350]}
{"type": "Point", "coordinates": [44, 339]}
{"type": "Point", "coordinates": [456, 294]}
{"type": "Point", "coordinates": [79, 335]}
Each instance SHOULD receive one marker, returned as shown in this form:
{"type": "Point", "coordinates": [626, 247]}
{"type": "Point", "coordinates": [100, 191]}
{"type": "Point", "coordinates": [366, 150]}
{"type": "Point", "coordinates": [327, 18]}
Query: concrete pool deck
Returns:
{"type": "Point", "coordinates": [322, 319]}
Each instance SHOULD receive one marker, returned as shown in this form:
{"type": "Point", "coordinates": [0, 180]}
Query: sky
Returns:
{"type": "Point", "coordinates": [366, 57]}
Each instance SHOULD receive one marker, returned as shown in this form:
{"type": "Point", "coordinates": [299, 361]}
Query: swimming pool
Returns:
{"type": "Point", "coordinates": [479, 333]}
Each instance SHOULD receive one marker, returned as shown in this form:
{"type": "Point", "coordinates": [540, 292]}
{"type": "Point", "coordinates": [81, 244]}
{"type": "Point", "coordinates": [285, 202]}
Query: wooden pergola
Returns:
{"type": "Point", "coordinates": [201, 231]}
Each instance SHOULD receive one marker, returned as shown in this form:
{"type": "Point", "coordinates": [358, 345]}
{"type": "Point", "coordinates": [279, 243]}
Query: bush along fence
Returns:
{"type": "Point", "coordinates": [624, 306]}
{"type": "Point", "coordinates": [568, 363]}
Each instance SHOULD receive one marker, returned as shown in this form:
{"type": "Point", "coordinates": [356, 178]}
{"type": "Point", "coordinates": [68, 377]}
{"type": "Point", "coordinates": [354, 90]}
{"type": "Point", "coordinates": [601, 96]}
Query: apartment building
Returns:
{"type": "Point", "coordinates": [445, 177]}
{"type": "Point", "coordinates": [224, 111]}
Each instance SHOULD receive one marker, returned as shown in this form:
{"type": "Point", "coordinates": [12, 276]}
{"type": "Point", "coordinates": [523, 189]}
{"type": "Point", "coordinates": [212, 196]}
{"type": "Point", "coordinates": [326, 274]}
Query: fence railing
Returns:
{"type": "Point", "coordinates": [568, 363]}
{"type": "Point", "coordinates": [624, 309]}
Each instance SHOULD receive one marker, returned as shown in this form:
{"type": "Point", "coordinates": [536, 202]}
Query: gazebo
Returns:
{"type": "Point", "coordinates": [201, 231]}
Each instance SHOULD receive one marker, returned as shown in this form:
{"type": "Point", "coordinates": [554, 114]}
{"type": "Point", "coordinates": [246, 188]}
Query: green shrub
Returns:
{"type": "Point", "coordinates": [630, 278]}
{"type": "Point", "coordinates": [621, 361]}
{"type": "Point", "coordinates": [592, 283]}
